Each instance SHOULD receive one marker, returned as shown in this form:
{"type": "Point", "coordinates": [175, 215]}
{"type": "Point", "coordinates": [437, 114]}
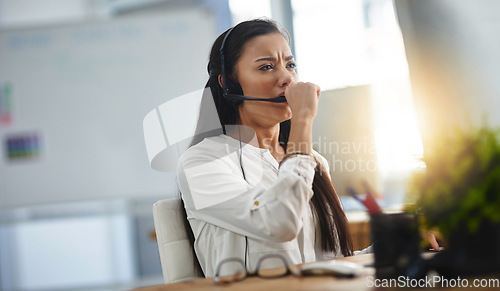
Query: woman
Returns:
{"type": "Point", "coordinates": [260, 188]}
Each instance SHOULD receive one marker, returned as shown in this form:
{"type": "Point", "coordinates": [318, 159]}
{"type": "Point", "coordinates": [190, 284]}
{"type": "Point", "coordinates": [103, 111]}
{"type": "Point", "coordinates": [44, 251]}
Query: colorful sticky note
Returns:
{"type": "Point", "coordinates": [22, 146]}
{"type": "Point", "coordinates": [5, 104]}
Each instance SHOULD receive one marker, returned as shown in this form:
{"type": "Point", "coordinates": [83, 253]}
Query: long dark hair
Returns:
{"type": "Point", "coordinates": [325, 202]}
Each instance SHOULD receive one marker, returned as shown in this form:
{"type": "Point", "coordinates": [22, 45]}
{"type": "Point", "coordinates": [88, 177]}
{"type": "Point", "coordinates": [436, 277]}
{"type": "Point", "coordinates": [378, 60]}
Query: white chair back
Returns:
{"type": "Point", "coordinates": [176, 255]}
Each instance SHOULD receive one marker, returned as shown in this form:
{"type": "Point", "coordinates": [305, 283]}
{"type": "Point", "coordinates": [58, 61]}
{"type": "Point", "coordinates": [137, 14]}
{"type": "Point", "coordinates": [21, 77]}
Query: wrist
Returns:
{"type": "Point", "coordinates": [302, 124]}
{"type": "Point", "coordinates": [302, 118]}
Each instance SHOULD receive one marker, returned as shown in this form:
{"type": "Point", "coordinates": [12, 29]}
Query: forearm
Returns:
{"type": "Point", "coordinates": [300, 139]}
{"type": "Point", "coordinates": [215, 192]}
{"type": "Point", "coordinates": [273, 214]}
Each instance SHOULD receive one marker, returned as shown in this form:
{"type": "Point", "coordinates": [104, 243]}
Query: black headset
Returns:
{"type": "Point", "coordinates": [232, 91]}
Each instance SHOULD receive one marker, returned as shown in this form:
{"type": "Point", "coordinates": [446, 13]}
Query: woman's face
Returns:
{"type": "Point", "coordinates": [264, 70]}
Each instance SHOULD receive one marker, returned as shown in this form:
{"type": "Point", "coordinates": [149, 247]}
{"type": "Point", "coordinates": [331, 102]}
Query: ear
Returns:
{"type": "Point", "coordinates": [220, 81]}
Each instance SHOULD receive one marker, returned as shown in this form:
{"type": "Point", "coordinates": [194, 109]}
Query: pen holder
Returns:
{"type": "Point", "coordinates": [396, 244]}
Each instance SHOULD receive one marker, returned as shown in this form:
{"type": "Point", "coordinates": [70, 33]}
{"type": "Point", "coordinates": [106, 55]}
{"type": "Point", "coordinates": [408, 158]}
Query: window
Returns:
{"type": "Point", "coordinates": [358, 42]}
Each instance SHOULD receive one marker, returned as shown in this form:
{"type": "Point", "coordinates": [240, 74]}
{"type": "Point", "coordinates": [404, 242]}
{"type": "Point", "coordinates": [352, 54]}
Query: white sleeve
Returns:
{"type": "Point", "coordinates": [367, 250]}
{"type": "Point", "coordinates": [322, 161]}
{"type": "Point", "coordinates": [216, 193]}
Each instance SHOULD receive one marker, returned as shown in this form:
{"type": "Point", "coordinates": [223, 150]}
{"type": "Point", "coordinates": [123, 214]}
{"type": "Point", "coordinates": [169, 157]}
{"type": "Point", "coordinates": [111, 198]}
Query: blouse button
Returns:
{"type": "Point", "coordinates": [256, 203]}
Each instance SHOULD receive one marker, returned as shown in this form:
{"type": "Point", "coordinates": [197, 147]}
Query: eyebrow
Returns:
{"type": "Point", "coordinates": [273, 59]}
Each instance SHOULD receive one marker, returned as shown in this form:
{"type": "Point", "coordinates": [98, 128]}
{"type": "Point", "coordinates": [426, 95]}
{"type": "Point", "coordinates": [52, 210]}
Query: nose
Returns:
{"type": "Point", "coordinates": [286, 77]}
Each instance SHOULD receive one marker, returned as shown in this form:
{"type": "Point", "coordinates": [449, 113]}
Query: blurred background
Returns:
{"type": "Point", "coordinates": [77, 78]}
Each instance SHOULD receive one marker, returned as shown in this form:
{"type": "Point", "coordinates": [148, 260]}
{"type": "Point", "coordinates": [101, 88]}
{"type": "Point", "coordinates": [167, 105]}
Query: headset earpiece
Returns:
{"type": "Point", "coordinates": [233, 87]}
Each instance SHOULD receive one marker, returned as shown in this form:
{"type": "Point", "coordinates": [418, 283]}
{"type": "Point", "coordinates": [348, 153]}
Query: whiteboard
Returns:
{"type": "Point", "coordinates": [84, 90]}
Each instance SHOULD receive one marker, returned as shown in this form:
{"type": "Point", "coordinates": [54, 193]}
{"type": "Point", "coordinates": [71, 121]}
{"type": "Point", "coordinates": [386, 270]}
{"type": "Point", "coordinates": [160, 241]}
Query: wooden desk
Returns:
{"type": "Point", "coordinates": [285, 283]}
{"type": "Point", "coordinates": [305, 283]}
{"type": "Point", "coordinates": [360, 234]}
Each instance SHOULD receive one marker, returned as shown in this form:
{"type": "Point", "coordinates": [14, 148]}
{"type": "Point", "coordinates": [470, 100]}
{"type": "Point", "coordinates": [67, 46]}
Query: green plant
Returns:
{"type": "Point", "coordinates": [460, 186]}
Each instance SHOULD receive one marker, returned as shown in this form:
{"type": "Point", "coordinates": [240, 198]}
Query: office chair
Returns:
{"type": "Point", "coordinates": [176, 254]}
{"type": "Point", "coordinates": [165, 141]}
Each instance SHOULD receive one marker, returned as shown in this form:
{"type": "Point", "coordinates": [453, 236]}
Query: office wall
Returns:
{"type": "Point", "coordinates": [74, 96]}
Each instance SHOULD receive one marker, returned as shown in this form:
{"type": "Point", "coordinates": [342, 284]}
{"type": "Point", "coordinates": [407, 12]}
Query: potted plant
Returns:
{"type": "Point", "coordinates": [458, 193]}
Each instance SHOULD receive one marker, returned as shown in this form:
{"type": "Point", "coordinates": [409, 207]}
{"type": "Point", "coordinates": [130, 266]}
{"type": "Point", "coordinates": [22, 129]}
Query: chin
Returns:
{"type": "Point", "coordinates": [288, 115]}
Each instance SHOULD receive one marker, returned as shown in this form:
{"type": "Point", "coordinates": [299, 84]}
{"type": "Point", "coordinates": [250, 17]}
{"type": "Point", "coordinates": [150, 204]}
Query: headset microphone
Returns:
{"type": "Point", "coordinates": [236, 97]}
{"type": "Point", "coordinates": [231, 89]}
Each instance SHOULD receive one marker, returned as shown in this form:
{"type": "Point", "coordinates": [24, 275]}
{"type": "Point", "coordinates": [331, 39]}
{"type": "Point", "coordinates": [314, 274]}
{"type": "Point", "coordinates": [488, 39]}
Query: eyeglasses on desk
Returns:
{"type": "Point", "coordinates": [269, 266]}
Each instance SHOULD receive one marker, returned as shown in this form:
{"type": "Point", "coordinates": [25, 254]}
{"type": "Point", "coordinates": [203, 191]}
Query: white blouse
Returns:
{"type": "Point", "coordinates": [270, 207]}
